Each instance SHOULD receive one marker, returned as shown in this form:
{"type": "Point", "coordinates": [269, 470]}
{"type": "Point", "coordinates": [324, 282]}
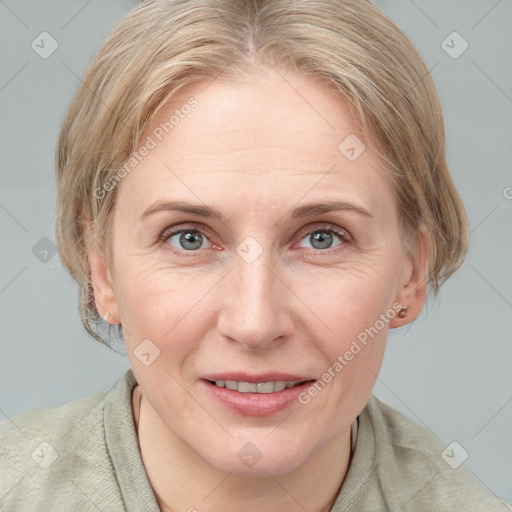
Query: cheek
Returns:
{"type": "Point", "coordinates": [157, 302]}
{"type": "Point", "coordinates": [348, 299]}
{"type": "Point", "coordinates": [158, 319]}
{"type": "Point", "coordinates": [351, 314]}
{"type": "Point", "coordinates": [352, 348]}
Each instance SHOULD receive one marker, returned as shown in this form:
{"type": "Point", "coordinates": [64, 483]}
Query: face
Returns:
{"type": "Point", "coordinates": [267, 287]}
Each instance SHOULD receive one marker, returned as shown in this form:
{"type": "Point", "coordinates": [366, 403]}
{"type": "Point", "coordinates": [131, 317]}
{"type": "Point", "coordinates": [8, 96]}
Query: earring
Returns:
{"type": "Point", "coordinates": [105, 317]}
{"type": "Point", "coordinates": [403, 311]}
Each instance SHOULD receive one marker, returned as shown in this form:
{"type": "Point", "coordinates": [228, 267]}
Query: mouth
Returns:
{"type": "Point", "coordinates": [268, 387]}
{"type": "Point", "coordinates": [261, 397]}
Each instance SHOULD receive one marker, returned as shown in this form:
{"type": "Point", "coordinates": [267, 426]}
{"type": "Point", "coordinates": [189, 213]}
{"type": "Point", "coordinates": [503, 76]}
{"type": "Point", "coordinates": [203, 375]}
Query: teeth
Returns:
{"type": "Point", "coordinates": [260, 387]}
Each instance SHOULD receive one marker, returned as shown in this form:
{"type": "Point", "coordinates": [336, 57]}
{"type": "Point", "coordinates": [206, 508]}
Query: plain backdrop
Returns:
{"type": "Point", "coordinates": [449, 371]}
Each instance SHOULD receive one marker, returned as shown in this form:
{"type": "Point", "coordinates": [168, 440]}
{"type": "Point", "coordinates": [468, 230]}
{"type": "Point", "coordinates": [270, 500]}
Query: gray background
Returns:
{"type": "Point", "coordinates": [450, 371]}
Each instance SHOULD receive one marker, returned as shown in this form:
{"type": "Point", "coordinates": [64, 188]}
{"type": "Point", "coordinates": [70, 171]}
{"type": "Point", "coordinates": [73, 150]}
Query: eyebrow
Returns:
{"type": "Point", "coordinates": [298, 212]}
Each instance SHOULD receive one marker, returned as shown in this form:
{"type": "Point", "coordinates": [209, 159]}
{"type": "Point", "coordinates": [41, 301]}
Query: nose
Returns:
{"type": "Point", "coordinates": [255, 304]}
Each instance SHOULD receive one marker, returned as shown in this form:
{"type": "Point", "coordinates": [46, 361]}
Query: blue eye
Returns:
{"type": "Point", "coordinates": [322, 238]}
{"type": "Point", "coordinates": [186, 239]}
{"type": "Point", "coordinates": [192, 239]}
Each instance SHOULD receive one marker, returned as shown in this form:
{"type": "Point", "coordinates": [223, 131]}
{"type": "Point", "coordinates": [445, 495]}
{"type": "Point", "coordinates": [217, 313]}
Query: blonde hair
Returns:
{"type": "Point", "coordinates": [163, 45]}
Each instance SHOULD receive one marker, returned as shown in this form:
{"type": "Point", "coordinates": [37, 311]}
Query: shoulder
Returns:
{"type": "Point", "coordinates": [62, 448]}
{"type": "Point", "coordinates": [46, 420]}
{"type": "Point", "coordinates": [419, 472]}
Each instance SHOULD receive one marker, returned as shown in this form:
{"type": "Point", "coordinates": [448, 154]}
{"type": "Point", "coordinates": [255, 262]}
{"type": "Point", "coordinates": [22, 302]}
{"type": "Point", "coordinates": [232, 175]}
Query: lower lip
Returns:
{"type": "Point", "coordinates": [256, 404]}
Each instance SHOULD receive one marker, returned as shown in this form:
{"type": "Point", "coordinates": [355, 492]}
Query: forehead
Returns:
{"type": "Point", "coordinates": [275, 138]}
{"type": "Point", "coordinates": [284, 113]}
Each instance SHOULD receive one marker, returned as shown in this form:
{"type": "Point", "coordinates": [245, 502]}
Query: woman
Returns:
{"type": "Point", "coordinates": [252, 193]}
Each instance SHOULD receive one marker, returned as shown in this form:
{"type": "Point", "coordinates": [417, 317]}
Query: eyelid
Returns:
{"type": "Point", "coordinates": [341, 232]}
{"type": "Point", "coordinates": [174, 230]}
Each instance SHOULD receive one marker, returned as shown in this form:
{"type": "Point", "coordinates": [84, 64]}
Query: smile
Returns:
{"type": "Point", "coordinates": [260, 387]}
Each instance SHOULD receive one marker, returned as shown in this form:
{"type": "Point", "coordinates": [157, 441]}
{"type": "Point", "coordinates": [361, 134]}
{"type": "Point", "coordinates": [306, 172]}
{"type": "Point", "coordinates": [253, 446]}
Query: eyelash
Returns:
{"type": "Point", "coordinates": [330, 229]}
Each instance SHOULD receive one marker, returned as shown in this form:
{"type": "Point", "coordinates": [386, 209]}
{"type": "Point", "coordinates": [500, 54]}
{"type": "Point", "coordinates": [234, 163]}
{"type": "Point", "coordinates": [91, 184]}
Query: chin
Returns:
{"type": "Point", "coordinates": [256, 458]}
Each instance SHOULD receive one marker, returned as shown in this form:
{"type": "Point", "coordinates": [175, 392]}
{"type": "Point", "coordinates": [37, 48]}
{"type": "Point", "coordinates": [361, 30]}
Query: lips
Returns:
{"type": "Point", "coordinates": [256, 378]}
{"type": "Point", "coordinates": [254, 404]}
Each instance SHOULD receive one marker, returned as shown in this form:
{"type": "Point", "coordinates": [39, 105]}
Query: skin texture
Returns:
{"type": "Point", "coordinates": [254, 150]}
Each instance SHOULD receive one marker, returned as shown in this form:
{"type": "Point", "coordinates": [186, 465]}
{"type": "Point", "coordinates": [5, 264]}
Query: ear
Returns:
{"type": "Point", "coordinates": [102, 283]}
{"type": "Point", "coordinates": [413, 289]}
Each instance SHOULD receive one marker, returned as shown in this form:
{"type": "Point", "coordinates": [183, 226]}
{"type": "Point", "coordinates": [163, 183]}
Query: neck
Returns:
{"type": "Point", "coordinates": [182, 480]}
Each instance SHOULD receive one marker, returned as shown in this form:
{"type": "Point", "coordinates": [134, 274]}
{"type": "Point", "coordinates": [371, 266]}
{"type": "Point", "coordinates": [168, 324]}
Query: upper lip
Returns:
{"type": "Point", "coordinates": [255, 378]}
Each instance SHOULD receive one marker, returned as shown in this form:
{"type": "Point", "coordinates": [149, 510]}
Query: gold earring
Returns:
{"type": "Point", "coordinates": [403, 311]}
